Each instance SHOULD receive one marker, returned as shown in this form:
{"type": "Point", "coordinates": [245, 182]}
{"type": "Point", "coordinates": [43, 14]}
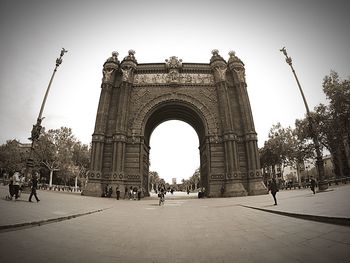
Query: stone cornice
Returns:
{"type": "Point", "coordinates": [149, 68]}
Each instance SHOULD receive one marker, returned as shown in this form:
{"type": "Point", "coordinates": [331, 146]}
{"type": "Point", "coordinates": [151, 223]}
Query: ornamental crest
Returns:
{"type": "Point", "coordinates": [173, 63]}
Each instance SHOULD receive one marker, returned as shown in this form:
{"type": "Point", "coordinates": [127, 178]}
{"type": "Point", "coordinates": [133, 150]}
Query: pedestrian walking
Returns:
{"type": "Point", "coordinates": [34, 187]}
{"type": "Point", "coordinates": [11, 190]}
{"type": "Point", "coordinates": [117, 191]}
{"type": "Point", "coordinates": [139, 191]}
{"type": "Point", "coordinates": [222, 190]}
{"type": "Point", "coordinates": [110, 191]}
{"type": "Point", "coordinates": [312, 185]}
{"type": "Point", "coordinates": [134, 192]}
{"type": "Point", "coordinates": [130, 193]}
{"type": "Point", "coordinates": [16, 182]}
{"type": "Point", "coordinates": [274, 189]}
{"type": "Point", "coordinates": [126, 192]}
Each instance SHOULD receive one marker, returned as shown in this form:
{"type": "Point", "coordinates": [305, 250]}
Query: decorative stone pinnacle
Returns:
{"type": "Point", "coordinates": [115, 54]}
{"type": "Point", "coordinates": [215, 52]}
{"type": "Point", "coordinates": [130, 56]}
{"type": "Point", "coordinates": [113, 58]}
{"type": "Point", "coordinates": [232, 53]}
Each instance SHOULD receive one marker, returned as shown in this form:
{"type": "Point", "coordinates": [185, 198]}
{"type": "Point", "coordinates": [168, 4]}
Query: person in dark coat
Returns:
{"type": "Point", "coordinates": [110, 191]}
{"type": "Point", "coordinates": [312, 185]}
{"type": "Point", "coordinates": [274, 189]}
{"type": "Point", "coordinates": [34, 187]}
{"type": "Point", "coordinates": [139, 192]}
{"type": "Point", "coordinates": [117, 191]}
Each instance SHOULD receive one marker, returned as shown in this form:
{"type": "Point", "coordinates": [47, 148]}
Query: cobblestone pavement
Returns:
{"type": "Point", "coordinates": [74, 228]}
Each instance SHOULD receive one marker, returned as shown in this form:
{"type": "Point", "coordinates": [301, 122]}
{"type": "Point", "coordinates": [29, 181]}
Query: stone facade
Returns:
{"type": "Point", "coordinates": [212, 98]}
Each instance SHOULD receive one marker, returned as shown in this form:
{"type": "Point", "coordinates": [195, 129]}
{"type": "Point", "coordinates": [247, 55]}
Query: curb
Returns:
{"type": "Point", "coordinates": [14, 227]}
{"type": "Point", "coordinates": [343, 221]}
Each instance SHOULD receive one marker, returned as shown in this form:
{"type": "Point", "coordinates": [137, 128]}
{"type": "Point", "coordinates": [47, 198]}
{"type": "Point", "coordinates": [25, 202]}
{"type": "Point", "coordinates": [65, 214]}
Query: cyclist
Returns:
{"type": "Point", "coordinates": [161, 195]}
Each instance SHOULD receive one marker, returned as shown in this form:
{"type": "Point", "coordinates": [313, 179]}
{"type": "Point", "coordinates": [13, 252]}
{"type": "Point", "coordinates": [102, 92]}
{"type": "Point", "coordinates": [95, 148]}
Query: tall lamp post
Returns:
{"type": "Point", "coordinates": [37, 127]}
{"type": "Point", "coordinates": [322, 182]}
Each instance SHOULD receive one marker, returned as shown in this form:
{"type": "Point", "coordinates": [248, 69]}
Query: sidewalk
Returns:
{"type": "Point", "coordinates": [66, 227]}
{"type": "Point", "coordinates": [53, 205]}
{"type": "Point", "coordinates": [331, 206]}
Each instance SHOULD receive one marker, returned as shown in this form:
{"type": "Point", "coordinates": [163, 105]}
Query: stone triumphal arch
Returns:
{"type": "Point", "coordinates": [135, 98]}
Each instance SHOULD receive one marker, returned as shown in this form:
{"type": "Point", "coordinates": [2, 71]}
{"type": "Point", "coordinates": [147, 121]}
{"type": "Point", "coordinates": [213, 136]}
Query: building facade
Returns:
{"type": "Point", "coordinates": [135, 98]}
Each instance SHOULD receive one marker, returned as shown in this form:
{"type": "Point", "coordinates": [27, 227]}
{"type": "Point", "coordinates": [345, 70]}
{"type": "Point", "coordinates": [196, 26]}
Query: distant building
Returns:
{"type": "Point", "coordinates": [24, 147]}
{"type": "Point", "coordinates": [328, 166]}
{"type": "Point", "coordinates": [173, 181]}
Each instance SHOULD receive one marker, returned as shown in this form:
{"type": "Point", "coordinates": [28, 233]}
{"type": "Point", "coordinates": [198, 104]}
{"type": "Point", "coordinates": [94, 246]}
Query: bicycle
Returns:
{"type": "Point", "coordinates": [161, 199]}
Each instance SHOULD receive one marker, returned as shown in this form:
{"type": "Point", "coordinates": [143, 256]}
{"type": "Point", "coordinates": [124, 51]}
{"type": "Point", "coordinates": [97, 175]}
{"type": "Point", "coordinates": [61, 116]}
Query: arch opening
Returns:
{"type": "Point", "coordinates": [174, 157]}
{"type": "Point", "coordinates": [180, 112]}
{"type": "Point", "coordinates": [174, 111]}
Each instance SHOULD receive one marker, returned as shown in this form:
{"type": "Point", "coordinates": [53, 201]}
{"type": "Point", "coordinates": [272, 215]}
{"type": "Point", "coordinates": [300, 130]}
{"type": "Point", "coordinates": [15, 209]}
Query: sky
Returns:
{"type": "Point", "coordinates": [32, 33]}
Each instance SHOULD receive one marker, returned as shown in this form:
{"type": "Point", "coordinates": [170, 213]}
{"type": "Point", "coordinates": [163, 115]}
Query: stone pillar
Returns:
{"type": "Point", "coordinates": [232, 184]}
{"type": "Point", "coordinates": [255, 182]}
{"type": "Point", "coordinates": [128, 66]}
{"type": "Point", "coordinates": [110, 67]}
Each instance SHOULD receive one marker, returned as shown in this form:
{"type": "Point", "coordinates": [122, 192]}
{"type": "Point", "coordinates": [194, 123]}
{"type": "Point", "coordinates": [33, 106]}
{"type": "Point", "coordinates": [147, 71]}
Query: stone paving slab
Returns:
{"type": "Point", "coordinates": [183, 230]}
{"type": "Point", "coordinates": [333, 203]}
{"type": "Point", "coordinates": [52, 205]}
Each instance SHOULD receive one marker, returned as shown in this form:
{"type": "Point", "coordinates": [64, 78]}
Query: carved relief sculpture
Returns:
{"type": "Point", "coordinates": [110, 66]}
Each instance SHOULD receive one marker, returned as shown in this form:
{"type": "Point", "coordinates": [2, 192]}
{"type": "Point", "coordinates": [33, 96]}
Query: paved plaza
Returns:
{"type": "Point", "coordinates": [67, 227]}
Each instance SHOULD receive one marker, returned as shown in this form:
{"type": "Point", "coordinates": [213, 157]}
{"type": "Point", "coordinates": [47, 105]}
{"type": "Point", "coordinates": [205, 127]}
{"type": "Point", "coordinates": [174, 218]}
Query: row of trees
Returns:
{"type": "Point", "coordinates": [192, 183]}
{"type": "Point", "coordinates": [56, 152]}
{"type": "Point", "coordinates": [292, 147]}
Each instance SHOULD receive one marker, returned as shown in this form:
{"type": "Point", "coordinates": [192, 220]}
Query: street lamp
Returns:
{"type": "Point", "coordinates": [35, 133]}
{"type": "Point", "coordinates": [322, 183]}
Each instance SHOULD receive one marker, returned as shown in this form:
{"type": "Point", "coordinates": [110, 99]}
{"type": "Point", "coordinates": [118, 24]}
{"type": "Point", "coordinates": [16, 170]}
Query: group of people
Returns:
{"type": "Point", "coordinates": [16, 186]}
{"type": "Point", "coordinates": [273, 188]}
{"type": "Point", "coordinates": [132, 192]}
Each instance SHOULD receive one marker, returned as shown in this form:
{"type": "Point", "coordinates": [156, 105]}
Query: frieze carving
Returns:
{"type": "Point", "coordinates": [240, 72]}
{"type": "Point", "coordinates": [107, 74]}
{"type": "Point", "coordinates": [214, 139]}
{"type": "Point", "coordinates": [251, 137]}
{"type": "Point", "coordinates": [183, 78]}
{"type": "Point", "coordinates": [220, 73]}
{"type": "Point", "coordinates": [217, 176]}
{"type": "Point", "coordinates": [97, 137]}
{"type": "Point", "coordinates": [119, 137]}
{"type": "Point", "coordinates": [133, 177]}
{"type": "Point", "coordinates": [127, 74]}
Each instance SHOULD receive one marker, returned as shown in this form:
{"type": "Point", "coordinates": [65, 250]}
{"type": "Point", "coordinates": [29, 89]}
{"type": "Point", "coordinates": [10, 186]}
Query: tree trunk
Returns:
{"type": "Point", "coordinates": [298, 173]}
{"type": "Point", "coordinates": [51, 175]}
{"type": "Point", "coordinates": [347, 150]}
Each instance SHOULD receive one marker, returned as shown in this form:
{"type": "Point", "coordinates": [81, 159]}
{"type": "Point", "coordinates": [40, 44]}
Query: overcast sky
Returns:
{"type": "Point", "coordinates": [32, 33]}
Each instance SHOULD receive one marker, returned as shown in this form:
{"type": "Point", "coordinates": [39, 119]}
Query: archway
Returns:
{"type": "Point", "coordinates": [182, 113]}
{"type": "Point", "coordinates": [174, 156]}
{"type": "Point", "coordinates": [212, 98]}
